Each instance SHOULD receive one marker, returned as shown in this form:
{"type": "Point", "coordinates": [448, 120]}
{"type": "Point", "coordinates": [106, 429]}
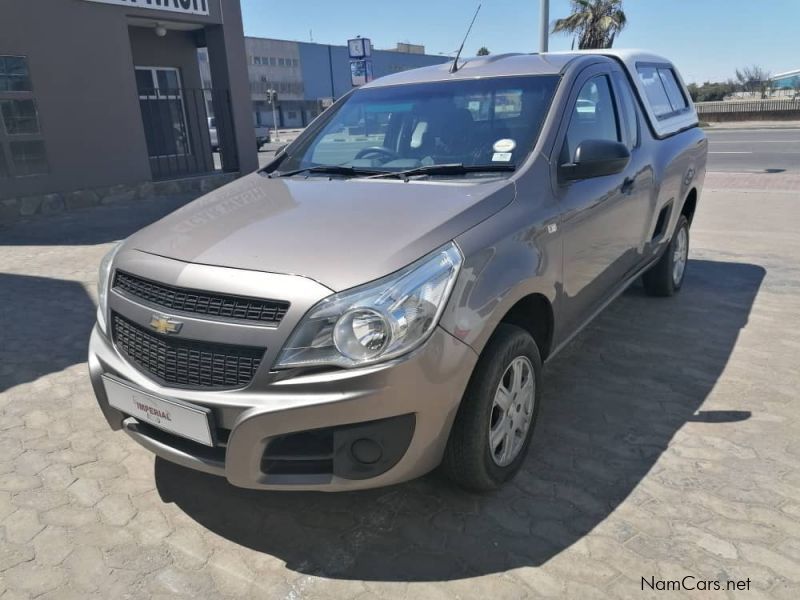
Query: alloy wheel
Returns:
{"type": "Point", "coordinates": [680, 256]}
{"type": "Point", "coordinates": [512, 411]}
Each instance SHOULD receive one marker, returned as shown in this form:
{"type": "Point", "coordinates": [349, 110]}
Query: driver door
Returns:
{"type": "Point", "coordinates": [598, 252]}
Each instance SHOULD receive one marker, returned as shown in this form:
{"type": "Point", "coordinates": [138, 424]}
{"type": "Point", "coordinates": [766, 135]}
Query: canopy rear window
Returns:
{"type": "Point", "coordinates": [663, 92]}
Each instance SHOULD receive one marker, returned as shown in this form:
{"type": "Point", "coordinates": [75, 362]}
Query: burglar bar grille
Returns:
{"type": "Point", "coordinates": [189, 131]}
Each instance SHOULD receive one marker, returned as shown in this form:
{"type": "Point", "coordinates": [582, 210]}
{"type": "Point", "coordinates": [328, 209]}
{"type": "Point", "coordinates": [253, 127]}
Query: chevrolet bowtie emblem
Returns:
{"type": "Point", "coordinates": [163, 324]}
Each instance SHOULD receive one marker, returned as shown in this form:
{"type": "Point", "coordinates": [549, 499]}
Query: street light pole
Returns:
{"type": "Point", "coordinates": [273, 100]}
{"type": "Point", "coordinates": [544, 24]}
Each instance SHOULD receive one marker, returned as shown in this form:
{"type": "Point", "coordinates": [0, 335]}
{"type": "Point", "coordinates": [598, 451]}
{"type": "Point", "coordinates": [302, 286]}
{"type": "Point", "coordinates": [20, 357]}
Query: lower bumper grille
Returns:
{"type": "Point", "coordinates": [183, 362]}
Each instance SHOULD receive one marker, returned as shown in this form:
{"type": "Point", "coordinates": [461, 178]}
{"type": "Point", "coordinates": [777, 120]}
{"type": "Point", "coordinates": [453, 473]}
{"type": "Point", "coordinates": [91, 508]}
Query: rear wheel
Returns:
{"type": "Point", "coordinates": [666, 276]}
{"type": "Point", "coordinates": [493, 428]}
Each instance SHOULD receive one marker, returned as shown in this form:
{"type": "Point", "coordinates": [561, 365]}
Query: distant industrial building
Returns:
{"type": "Point", "coordinates": [308, 76]}
{"type": "Point", "coordinates": [790, 80]}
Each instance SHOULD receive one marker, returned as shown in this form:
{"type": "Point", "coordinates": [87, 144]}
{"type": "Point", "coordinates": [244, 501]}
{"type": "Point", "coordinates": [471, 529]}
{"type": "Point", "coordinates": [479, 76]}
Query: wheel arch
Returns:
{"type": "Point", "coordinates": [534, 314]}
{"type": "Point", "coordinates": [690, 205]}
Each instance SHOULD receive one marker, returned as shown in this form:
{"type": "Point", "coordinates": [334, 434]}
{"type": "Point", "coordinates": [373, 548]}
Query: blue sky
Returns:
{"type": "Point", "coordinates": [707, 39]}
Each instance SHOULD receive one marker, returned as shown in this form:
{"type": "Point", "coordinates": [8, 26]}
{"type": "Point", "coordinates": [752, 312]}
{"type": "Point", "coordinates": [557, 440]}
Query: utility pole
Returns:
{"type": "Point", "coordinates": [544, 24]}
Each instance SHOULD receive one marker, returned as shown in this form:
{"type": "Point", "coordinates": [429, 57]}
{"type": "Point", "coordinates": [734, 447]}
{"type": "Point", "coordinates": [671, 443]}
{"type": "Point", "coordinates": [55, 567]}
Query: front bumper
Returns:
{"type": "Point", "coordinates": [407, 406]}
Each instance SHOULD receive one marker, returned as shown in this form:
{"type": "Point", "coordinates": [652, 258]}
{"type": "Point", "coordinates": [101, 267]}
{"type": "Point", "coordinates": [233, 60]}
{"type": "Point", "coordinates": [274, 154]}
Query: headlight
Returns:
{"type": "Point", "coordinates": [103, 282]}
{"type": "Point", "coordinates": [376, 321]}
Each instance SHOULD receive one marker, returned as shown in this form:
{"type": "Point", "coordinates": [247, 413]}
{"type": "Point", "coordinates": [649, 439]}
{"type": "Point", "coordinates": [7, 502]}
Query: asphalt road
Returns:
{"type": "Point", "coordinates": [754, 150]}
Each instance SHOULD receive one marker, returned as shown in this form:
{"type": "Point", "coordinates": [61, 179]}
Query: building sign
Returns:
{"type": "Point", "coordinates": [189, 7]}
{"type": "Point", "coordinates": [359, 47]}
{"type": "Point", "coordinates": [360, 72]}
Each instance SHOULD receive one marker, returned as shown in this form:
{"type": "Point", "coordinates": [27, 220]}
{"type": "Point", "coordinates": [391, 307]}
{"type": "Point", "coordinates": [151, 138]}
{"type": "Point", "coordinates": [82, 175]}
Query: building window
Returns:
{"type": "Point", "coordinates": [19, 116]}
{"type": "Point", "coordinates": [295, 62]}
{"type": "Point", "coordinates": [273, 61]}
{"type": "Point", "coordinates": [14, 74]}
{"type": "Point", "coordinates": [22, 150]}
{"type": "Point", "coordinates": [28, 157]}
{"type": "Point", "coordinates": [3, 166]}
{"type": "Point", "coordinates": [291, 114]}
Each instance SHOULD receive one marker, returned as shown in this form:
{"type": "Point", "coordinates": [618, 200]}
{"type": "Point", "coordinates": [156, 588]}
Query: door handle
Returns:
{"type": "Point", "coordinates": [627, 185]}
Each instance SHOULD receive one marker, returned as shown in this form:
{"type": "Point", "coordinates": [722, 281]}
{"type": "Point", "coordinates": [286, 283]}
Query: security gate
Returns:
{"type": "Point", "coordinates": [178, 124]}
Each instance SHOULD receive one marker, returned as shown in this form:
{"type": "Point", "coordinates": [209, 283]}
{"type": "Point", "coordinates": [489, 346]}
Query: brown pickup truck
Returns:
{"type": "Point", "coordinates": [373, 304]}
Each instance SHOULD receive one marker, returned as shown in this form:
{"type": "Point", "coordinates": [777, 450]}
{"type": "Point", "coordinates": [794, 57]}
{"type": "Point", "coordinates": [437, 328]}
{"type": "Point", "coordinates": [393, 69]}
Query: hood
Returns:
{"type": "Point", "coordinates": [338, 232]}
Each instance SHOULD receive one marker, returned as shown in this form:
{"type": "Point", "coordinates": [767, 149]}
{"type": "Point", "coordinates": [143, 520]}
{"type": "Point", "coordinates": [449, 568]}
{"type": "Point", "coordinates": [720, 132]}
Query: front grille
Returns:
{"type": "Point", "coordinates": [201, 303]}
{"type": "Point", "coordinates": [183, 362]}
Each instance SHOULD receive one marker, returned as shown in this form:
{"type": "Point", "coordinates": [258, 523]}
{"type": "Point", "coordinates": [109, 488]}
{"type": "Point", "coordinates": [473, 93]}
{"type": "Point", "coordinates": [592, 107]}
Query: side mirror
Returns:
{"type": "Point", "coordinates": [595, 158]}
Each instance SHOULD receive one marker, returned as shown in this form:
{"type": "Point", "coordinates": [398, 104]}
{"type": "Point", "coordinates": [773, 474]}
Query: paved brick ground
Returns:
{"type": "Point", "coordinates": [787, 183]}
{"type": "Point", "coordinates": [668, 445]}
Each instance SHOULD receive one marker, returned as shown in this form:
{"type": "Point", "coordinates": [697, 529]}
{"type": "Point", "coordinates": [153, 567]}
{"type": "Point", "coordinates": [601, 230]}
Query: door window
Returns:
{"type": "Point", "coordinates": [594, 117]}
{"type": "Point", "coordinates": [630, 120]}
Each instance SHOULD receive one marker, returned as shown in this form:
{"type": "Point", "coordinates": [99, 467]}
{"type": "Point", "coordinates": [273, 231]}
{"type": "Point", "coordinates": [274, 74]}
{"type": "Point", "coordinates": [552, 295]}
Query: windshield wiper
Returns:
{"type": "Point", "coordinates": [444, 169]}
{"type": "Point", "coordinates": [328, 170]}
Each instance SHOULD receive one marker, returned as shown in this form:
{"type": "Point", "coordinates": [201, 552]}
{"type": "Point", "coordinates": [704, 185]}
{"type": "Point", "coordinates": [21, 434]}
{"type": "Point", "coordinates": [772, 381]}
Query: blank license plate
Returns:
{"type": "Point", "coordinates": [178, 417]}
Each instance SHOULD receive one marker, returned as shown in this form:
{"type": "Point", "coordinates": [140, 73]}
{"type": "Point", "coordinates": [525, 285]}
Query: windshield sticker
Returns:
{"type": "Point", "coordinates": [504, 145]}
{"type": "Point", "coordinates": [501, 157]}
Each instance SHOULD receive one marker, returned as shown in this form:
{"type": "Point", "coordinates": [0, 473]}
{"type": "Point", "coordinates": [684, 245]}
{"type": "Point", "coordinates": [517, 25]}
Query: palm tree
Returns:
{"type": "Point", "coordinates": [595, 23]}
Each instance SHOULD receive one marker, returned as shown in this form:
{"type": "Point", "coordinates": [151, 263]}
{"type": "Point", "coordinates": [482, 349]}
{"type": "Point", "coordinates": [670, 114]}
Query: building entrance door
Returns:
{"type": "Point", "coordinates": [163, 111]}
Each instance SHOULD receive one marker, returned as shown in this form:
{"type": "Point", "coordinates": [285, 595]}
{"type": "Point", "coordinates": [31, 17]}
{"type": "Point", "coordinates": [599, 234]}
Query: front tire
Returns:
{"type": "Point", "coordinates": [492, 431]}
{"type": "Point", "coordinates": [665, 278]}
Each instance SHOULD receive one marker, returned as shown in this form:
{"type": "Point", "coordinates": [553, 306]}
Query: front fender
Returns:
{"type": "Point", "coordinates": [507, 257]}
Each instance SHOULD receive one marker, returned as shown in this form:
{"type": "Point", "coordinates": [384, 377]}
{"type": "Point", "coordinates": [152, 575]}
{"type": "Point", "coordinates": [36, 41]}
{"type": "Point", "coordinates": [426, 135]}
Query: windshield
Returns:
{"type": "Point", "coordinates": [475, 123]}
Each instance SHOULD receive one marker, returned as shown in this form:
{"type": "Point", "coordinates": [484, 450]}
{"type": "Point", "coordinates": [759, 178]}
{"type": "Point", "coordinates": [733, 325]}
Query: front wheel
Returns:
{"type": "Point", "coordinates": [493, 428]}
{"type": "Point", "coordinates": [666, 276]}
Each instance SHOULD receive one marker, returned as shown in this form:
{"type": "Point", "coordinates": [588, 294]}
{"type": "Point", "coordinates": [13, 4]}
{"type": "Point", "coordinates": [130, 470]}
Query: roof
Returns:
{"type": "Point", "coordinates": [501, 65]}
{"type": "Point", "coordinates": [628, 56]}
{"type": "Point", "coordinates": [786, 74]}
{"type": "Point", "coordinates": [497, 65]}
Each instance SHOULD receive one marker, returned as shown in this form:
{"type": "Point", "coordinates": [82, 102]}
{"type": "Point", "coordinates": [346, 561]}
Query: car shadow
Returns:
{"type": "Point", "coordinates": [613, 401]}
{"type": "Point", "coordinates": [44, 327]}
